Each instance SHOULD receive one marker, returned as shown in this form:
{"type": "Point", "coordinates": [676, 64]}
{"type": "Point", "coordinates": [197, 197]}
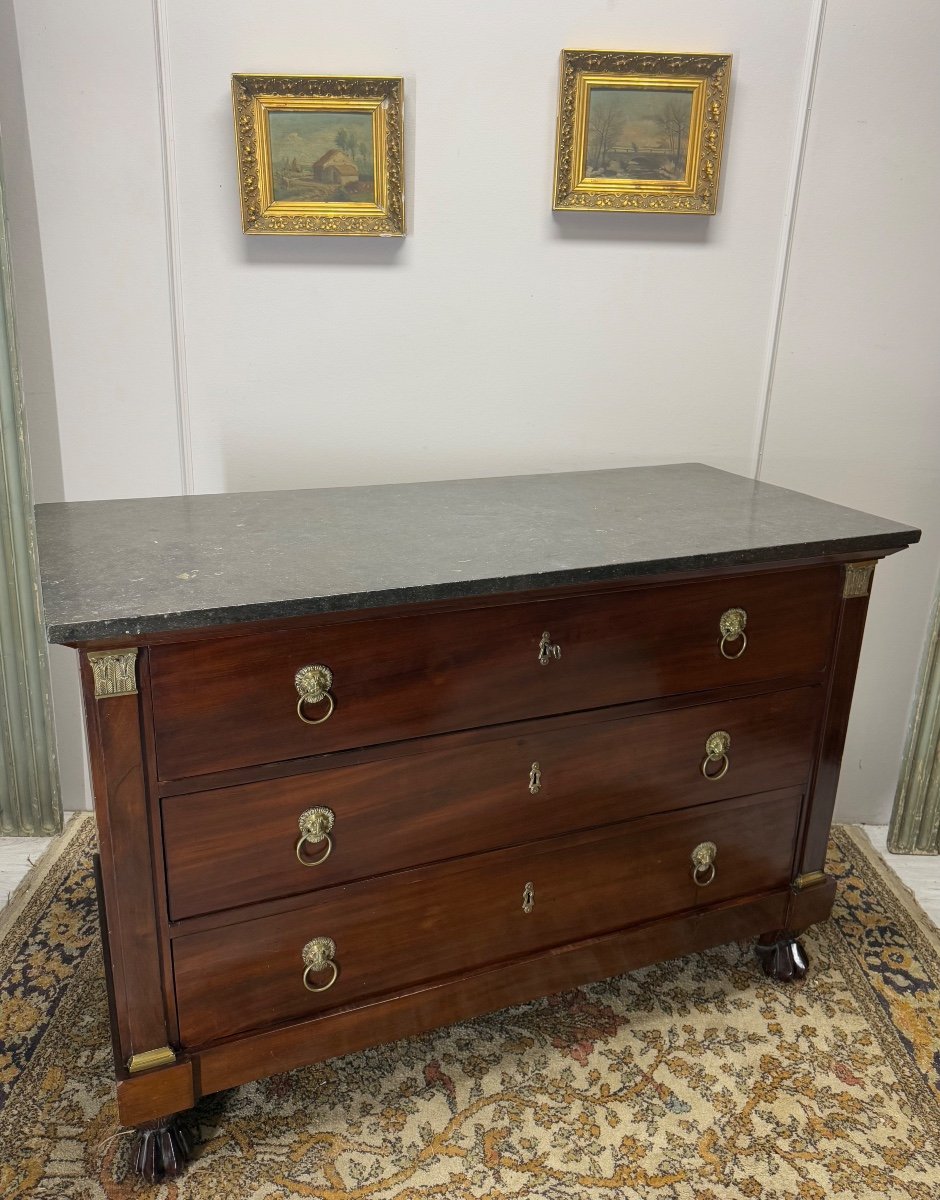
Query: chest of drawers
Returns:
{"type": "Point", "coordinates": [368, 761]}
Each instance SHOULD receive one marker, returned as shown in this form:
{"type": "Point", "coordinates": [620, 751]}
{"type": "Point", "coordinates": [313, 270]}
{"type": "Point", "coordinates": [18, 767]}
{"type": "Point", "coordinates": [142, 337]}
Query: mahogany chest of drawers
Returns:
{"type": "Point", "coordinates": [367, 761]}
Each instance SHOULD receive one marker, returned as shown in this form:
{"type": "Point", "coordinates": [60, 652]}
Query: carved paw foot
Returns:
{"type": "Point", "coordinates": [162, 1149]}
{"type": "Point", "coordinates": [782, 956]}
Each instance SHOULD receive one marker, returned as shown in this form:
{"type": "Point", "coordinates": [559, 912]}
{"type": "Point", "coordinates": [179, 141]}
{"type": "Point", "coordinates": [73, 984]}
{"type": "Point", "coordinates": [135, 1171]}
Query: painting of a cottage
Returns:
{"type": "Point", "coordinates": [321, 156]}
{"type": "Point", "coordinates": [335, 167]}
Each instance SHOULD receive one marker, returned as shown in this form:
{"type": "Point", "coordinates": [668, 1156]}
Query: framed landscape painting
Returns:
{"type": "Point", "coordinates": [319, 154]}
{"type": "Point", "coordinates": [640, 132]}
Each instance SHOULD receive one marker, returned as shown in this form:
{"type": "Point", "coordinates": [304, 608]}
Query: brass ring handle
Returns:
{"type": "Point", "coordinates": [323, 987]}
{"type": "Point", "coordinates": [313, 862]}
{"type": "Point", "coordinates": [731, 627]}
{"type": "Point", "coordinates": [318, 956]}
{"type": "Point", "coordinates": [307, 700]}
{"type": "Point", "coordinates": [315, 826]}
{"type": "Point", "coordinates": [725, 764]}
{"type": "Point", "coordinates": [313, 684]}
{"type": "Point", "coordinates": [717, 745]}
{"type": "Point", "coordinates": [725, 640]}
{"type": "Point", "coordinates": [703, 863]}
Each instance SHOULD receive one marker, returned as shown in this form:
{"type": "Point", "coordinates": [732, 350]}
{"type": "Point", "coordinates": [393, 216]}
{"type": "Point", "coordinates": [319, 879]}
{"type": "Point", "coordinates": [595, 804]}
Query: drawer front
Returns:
{"type": "Point", "coordinates": [240, 845]}
{"type": "Point", "coordinates": [401, 930]}
{"type": "Point", "coordinates": [233, 702]}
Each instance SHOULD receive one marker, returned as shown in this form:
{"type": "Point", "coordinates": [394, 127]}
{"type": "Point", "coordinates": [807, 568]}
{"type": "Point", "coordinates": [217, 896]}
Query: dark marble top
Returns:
{"type": "Point", "coordinates": [116, 568]}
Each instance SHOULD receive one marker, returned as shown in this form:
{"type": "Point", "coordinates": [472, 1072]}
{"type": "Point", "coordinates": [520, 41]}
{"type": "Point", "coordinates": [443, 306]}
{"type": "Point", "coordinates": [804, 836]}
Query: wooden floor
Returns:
{"type": "Point", "coordinates": [921, 872]}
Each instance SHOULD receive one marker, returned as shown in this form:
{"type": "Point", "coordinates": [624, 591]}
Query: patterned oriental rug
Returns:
{"type": "Point", "coordinates": [694, 1078]}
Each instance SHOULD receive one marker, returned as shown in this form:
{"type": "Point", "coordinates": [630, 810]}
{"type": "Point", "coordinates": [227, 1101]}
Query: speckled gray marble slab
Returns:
{"type": "Point", "coordinates": [116, 568]}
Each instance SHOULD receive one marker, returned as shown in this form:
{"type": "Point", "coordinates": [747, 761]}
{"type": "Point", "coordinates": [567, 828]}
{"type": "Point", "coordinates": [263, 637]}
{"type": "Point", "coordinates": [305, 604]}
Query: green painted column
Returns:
{"type": "Point", "coordinates": [915, 822]}
{"type": "Point", "coordinates": [29, 787]}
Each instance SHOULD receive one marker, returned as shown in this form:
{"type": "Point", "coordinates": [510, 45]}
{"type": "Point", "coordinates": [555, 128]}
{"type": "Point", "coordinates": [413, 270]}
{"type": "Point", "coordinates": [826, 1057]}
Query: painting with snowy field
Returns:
{"type": "Point", "coordinates": [321, 157]}
{"type": "Point", "coordinates": [637, 133]}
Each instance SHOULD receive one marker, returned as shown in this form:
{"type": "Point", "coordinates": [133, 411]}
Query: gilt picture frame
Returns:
{"type": "Point", "coordinates": [320, 155]}
{"type": "Point", "coordinates": [640, 132]}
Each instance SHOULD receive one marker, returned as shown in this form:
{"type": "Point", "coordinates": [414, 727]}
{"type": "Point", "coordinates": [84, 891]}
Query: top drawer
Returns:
{"type": "Point", "coordinates": [233, 702]}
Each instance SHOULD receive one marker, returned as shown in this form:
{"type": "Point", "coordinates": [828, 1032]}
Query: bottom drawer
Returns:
{"type": "Point", "coordinates": [404, 929]}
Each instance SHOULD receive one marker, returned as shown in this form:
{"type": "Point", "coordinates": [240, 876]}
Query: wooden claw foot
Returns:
{"type": "Point", "coordinates": [782, 956]}
{"type": "Point", "coordinates": [162, 1149]}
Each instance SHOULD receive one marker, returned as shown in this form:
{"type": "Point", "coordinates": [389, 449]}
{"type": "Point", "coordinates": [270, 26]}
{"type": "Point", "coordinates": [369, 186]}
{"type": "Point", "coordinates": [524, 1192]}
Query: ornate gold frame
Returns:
{"type": "Point", "coordinates": [706, 75]}
{"type": "Point", "coordinates": [254, 96]}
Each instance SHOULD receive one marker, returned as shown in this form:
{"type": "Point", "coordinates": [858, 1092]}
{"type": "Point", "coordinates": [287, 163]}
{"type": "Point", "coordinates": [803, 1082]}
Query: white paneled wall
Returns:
{"type": "Point", "coordinates": [855, 403]}
{"type": "Point", "coordinates": [497, 337]}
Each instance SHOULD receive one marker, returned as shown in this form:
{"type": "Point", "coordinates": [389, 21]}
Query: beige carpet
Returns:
{"type": "Point", "coordinates": [694, 1078]}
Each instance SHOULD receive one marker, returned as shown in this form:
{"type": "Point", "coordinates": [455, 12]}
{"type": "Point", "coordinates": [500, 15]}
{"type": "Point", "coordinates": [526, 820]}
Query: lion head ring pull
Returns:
{"type": "Point", "coordinates": [313, 685]}
{"type": "Point", "coordinates": [703, 863]}
{"type": "Point", "coordinates": [315, 826]}
{"type": "Point", "coordinates": [717, 745]}
{"type": "Point", "coordinates": [318, 957]}
{"type": "Point", "coordinates": [731, 627]}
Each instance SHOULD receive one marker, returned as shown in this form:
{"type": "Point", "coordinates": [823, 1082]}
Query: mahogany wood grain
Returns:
{"type": "Point", "coordinates": [414, 1011]}
{"type": "Point", "coordinates": [157, 1093]}
{"type": "Point", "coordinates": [148, 749]}
{"type": "Point", "coordinates": [233, 703]}
{"type": "Point", "coordinates": [312, 764]}
{"type": "Point", "coordinates": [126, 868]}
{"type": "Point", "coordinates": [412, 926]}
{"type": "Point", "coordinates": [809, 905]}
{"type": "Point", "coordinates": [446, 800]}
{"type": "Point", "coordinates": [106, 954]}
{"type": "Point", "coordinates": [842, 675]}
{"type": "Point", "coordinates": [150, 1094]}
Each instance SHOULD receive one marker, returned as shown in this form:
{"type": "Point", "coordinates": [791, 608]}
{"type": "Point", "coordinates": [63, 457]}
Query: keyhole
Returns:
{"type": "Point", "coordinates": [547, 650]}
{"type": "Point", "coordinates": [528, 898]}
{"type": "Point", "coordinates": [535, 779]}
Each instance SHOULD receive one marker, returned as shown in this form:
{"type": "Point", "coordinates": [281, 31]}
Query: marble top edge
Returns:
{"type": "Point", "coordinates": [129, 568]}
{"type": "Point", "coordinates": [151, 623]}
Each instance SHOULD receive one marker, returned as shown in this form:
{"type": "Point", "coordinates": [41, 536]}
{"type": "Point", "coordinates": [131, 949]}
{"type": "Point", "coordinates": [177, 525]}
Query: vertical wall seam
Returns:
{"type": "Point", "coordinates": [782, 274]}
{"type": "Point", "coordinates": [173, 261]}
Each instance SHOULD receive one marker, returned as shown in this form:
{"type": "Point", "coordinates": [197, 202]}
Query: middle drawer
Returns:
{"type": "Point", "coordinates": [453, 795]}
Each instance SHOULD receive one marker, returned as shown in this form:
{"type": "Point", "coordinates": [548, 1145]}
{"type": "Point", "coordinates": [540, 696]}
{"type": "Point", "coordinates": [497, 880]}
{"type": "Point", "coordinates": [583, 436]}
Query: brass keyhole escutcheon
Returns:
{"type": "Point", "coordinates": [313, 685]}
{"type": "Point", "coordinates": [528, 898]}
{"type": "Point", "coordinates": [703, 863]}
{"type": "Point", "coordinates": [548, 650]}
{"type": "Point", "coordinates": [535, 779]}
{"type": "Point", "coordinates": [717, 745]}
{"type": "Point", "coordinates": [731, 628]}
